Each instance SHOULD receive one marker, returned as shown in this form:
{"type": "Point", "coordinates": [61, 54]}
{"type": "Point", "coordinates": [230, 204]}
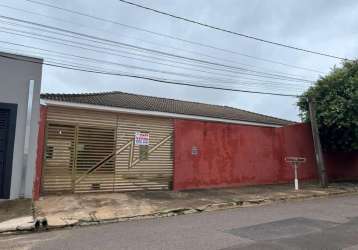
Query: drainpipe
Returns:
{"type": "Point", "coordinates": [25, 164]}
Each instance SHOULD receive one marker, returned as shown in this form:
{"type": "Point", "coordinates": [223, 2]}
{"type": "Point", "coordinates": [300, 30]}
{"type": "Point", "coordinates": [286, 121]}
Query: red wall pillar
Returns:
{"type": "Point", "coordinates": [40, 152]}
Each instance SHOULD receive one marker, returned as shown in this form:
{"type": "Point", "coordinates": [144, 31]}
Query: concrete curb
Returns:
{"type": "Point", "coordinates": [41, 224]}
{"type": "Point", "coordinates": [21, 224]}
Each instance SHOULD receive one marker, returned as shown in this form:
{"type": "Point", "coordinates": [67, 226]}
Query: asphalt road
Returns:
{"type": "Point", "coordinates": [326, 223]}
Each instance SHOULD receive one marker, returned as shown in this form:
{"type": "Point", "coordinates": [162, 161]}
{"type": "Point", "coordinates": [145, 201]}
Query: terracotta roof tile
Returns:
{"type": "Point", "coordinates": [150, 103]}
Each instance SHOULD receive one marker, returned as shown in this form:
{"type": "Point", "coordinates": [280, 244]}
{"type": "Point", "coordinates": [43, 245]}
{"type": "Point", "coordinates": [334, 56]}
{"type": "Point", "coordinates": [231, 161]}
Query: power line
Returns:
{"type": "Point", "coordinates": [119, 64]}
{"type": "Point", "coordinates": [134, 38]}
{"type": "Point", "coordinates": [171, 37]}
{"type": "Point", "coordinates": [246, 85]}
{"type": "Point", "coordinates": [186, 82]}
{"type": "Point", "coordinates": [141, 40]}
{"type": "Point", "coordinates": [135, 67]}
{"type": "Point", "coordinates": [152, 50]}
{"type": "Point", "coordinates": [124, 56]}
{"type": "Point", "coordinates": [147, 78]}
{"type": "Point", "coordinates": [139, 59]}
{"type": "Point", "coordinates": [250, 85]}
{"type": "Point", "coordinates": [70, 61]}
{"type": "Point", "coordinates": [229, 31]}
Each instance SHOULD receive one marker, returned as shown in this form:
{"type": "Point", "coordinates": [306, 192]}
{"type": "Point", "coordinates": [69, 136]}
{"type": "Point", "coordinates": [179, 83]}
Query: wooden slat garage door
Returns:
{"type": "Point", "coordinates": [96, 152]}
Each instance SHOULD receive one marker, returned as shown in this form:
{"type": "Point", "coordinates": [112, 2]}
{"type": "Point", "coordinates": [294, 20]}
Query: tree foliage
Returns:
{"type": "Point", "coordinates": [336, 96]}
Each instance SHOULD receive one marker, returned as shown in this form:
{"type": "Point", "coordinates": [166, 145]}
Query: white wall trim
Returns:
{"type": "Point", "coordinates": [151, 113]}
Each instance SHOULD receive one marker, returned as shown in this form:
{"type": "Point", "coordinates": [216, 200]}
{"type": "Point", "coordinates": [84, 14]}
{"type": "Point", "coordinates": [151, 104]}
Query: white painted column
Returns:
{"type": "Point", "coordinates": [296, 177]}
{"type": "Point", "coordinates": [25, 164]}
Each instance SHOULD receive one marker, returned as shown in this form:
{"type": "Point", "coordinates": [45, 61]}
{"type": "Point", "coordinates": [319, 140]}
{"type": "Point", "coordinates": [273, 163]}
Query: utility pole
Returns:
{"type": "Point", "coordinates": [317, 144]}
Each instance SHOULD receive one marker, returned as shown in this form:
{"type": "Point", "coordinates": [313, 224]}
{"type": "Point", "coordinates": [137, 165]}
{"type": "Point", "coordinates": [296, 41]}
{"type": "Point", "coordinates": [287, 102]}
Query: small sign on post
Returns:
{"type": "Point", "coordinates": [295, 162]}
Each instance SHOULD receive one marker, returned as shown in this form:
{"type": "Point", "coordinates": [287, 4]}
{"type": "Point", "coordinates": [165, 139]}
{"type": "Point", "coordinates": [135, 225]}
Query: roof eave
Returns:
{"type": "Point", "coordinates": [152, 113]}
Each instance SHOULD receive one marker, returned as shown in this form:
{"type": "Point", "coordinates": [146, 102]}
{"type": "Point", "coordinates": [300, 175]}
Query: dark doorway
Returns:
{"type": "Point", "coordinates": [7, 136]}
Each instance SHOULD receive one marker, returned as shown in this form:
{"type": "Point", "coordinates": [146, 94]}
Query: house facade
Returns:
{"type": "Point", "coordinates": [109, 142]}
{"type": "Point", "coordinates": [20, 86]}
{"type": "Point", "coordinates": [115, 141]}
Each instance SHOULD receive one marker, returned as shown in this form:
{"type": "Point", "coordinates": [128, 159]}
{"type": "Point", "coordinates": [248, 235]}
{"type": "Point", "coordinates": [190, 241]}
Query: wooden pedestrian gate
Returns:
{"type": "Point", "coordinates": [86, 157]}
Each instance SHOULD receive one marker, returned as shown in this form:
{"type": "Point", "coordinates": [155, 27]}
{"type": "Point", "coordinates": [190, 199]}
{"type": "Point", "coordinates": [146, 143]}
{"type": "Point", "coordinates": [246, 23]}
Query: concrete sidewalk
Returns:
{"type": "Point", "coordinates": [16, 215]}
{"type": "Point", "coordinates": [10, 209]}
{"type": "Point", "coordinates": [87, 209]}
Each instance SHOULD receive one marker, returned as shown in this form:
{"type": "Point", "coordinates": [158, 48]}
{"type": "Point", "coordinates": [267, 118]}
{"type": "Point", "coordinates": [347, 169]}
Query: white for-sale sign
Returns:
{"type": "Point", "coordinates": [141, 138]}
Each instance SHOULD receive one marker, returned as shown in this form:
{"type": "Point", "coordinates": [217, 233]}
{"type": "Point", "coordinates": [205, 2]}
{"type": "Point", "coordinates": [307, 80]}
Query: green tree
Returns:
{"type": "Point", "coordinates": [336, 96]}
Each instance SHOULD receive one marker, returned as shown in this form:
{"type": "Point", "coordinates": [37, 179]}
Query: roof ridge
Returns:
{"type": "Point", "coordinates": [79, 94]}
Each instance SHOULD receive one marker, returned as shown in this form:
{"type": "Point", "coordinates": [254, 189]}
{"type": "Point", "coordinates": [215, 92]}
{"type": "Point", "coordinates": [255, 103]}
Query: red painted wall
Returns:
{"type": "Point", "coordinates": [40, 152]}
{"type": "Point", "coordinates": [234, 155]}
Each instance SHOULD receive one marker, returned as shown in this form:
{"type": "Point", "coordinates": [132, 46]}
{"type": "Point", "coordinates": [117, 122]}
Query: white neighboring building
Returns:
{"type": "Point", "coordinates": [20, 85]}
